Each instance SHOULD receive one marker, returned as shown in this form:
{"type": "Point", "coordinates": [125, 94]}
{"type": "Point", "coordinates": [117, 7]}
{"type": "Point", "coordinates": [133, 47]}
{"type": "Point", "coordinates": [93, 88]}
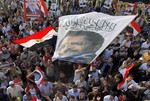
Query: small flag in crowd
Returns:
{"type": "Point", "coordinates": [38, 37]}
{"type": "Point", "coordinates": [43, 7]}
{"type": "Point", "coordinates": [91, 67]}
{"type": "Point", "coordinates": [136, 28]}
{"type": "Point", "coordinates": [39, 76]}
{"type": "Point", "coordinates": [133, 28]}
{"type": "Point", "coordinates": [125, 72]}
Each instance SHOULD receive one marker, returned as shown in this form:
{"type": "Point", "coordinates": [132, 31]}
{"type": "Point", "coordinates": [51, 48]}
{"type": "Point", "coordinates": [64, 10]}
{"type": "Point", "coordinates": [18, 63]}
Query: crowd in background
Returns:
{"type": "Point", "coordinates": [66, 81]}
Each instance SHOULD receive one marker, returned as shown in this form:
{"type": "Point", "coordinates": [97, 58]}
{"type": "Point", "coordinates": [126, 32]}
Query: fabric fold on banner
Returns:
{"type": "Point", "coordinates": [81, 38]}
{"type": "Point", "coordinates": [38, 37]}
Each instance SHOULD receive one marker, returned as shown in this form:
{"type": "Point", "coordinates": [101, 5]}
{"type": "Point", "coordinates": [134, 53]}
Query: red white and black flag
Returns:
{"type": "Point", "coordinates": [124, 72]}
{"type": "Point", "coordinates": [38, 37]}
{"type": "Point", "coordinates": [133, 28]}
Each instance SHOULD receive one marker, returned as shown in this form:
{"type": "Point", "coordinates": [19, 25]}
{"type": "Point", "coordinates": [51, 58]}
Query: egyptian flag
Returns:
{"type": "Point", "coordinates": [124, 73]}
{"type": "Point", "coordinates": [136, 28]}
{"type": "Point", "coordinates": [38, 37]}
{"type": "Point", "coordinates": [133, 28]}
{"type": "Point", "coordinates": [43, 7]}
{"type": "Point", "coordinates": [39, 76]}
{"type": "Point", "coordinates": [91, 67]}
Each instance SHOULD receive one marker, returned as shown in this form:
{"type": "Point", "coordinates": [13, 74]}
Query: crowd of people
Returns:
{"type": "Point", "coordinates": [67, 81]}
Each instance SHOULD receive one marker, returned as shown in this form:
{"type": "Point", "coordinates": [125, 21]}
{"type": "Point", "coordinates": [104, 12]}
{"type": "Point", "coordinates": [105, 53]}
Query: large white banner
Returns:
{"type": "Point", "coordinates": [81, 38]}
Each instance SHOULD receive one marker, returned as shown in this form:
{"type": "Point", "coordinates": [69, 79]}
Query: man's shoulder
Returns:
{"type": "Point", "coordinates": [106, 97]}
{"type": "Point", "coordinates": [9, 88]}
{"type": "Point", "coordinates": [49, 83]}
{"type": "Point", "coordinates": [144, 64]}
{"type": "Point", "coordinates": [18, 86]}
{"type": "Point", "coordinates": [77, 81]}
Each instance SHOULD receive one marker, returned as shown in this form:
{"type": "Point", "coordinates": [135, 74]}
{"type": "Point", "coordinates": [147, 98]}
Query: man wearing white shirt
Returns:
{"type": "Point", "coordinates": [145, 66]}
{"type": "Point", "coordinates": [29, 97]}
{"type": "Point", "coordinates": [129, 80]}
{"type": "Point", "coordinates": [81, 83]}
{"type": "Point", "coordinates": [31, 32]}
{"type": "Point", "coordinates": [13, 4]}
{"type": "Point", "coordinates": [144, 47]}
{"type": "Point", "coordinates": [22, 26]}
{"type": "Point", "coordinates": [46, 89]}
{"type": "Point", "coordinates": [60, 97]}
{"type": "Point", "coordinates": [14, 90]}
{"type": "Point", "coordinates": [5, 28]}
{"type": "Point", "coordinates": [110, 97]}
{"type": "Point", "coordinates": [74, 92]}
{"type": "Point", "coordinates": [126, 43]}
{"type": "Point", "coordinates": [108, 52]}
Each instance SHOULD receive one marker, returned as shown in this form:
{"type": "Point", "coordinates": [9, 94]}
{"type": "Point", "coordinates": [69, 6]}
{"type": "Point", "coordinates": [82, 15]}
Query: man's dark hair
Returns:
{"type": "Point", "coordinates": [74, 86]}
{"type": "Point", "coordinates": [112, 94]}
{"type": "Point", "coordinates": [118, 75]}
{"type": "Point", "coordinates": [14, 76]}
{"type": "Point", "coordinates": [96, 39]}
{"type": "Point", "coordinates": [82, 76]}
{"type": "Point", "coordinates": [72, 97]}
{"type": "Point", "coordinates": [82, 91]}
{"type": "Point", "coordinates": [131, 75]}
{"type": "Point", "coordinates": [28, 94]}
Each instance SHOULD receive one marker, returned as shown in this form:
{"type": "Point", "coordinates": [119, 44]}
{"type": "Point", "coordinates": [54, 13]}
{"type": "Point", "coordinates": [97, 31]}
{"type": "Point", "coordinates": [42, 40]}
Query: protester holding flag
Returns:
{"type": "Point", "coordinates": [129, 80]}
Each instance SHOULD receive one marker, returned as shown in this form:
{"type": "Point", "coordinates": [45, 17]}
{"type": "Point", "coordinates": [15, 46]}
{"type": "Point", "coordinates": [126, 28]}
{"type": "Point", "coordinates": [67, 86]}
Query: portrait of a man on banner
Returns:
{"type": "Point", "coordinates": [80, 46]}
{"type": "Point", "coordinates": [32, 8]}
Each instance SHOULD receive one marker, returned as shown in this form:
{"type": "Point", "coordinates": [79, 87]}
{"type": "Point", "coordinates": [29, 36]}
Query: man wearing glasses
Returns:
{"type": "Point", "coordinates": [79, 46]}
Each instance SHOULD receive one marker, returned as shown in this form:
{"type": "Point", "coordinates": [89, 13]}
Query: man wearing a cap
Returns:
{"type": "Point", "coordinates": [14, 90]}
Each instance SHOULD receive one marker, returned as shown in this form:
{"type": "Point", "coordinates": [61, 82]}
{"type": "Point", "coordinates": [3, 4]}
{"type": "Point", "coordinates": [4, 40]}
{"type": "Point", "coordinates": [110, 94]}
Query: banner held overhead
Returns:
{"type": "Point", "coordinates": [81, 38]}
